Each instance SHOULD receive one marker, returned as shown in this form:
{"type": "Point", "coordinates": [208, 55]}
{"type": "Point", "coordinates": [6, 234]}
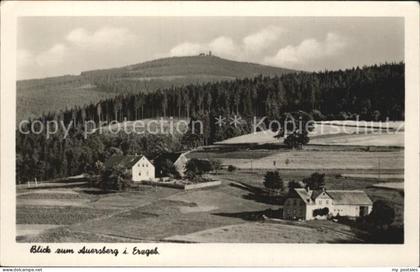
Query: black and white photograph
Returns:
{"type": "Point", "coordinates": [210, 129]}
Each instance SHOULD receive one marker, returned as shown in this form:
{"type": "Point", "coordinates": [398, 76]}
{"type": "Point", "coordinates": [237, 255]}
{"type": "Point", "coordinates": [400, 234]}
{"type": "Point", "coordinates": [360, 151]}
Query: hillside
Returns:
{"type": "Point", "coordinates": [37, 96]}
{"type": "Point", "coordinates": [196, 66]}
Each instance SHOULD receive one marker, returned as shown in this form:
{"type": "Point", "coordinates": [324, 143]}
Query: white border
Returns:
{"type": "Point", "coordinates": [13, 253]}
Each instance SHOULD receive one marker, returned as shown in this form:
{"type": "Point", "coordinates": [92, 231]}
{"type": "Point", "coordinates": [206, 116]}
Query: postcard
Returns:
{"type": "Point", "coordinates": [210, 133]}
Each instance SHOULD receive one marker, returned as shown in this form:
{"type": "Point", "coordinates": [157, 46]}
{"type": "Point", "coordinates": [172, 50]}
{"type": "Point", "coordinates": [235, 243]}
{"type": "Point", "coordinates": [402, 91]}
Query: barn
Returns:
{"type": "Point", "coordinates": [306, 204]}
{"type": "Point", "coordinates": [176, 160]}
{"type": "Point", "coordinates": [138, 165]}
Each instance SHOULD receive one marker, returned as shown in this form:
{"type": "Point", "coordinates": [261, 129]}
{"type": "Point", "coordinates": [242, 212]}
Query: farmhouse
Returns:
{"type": "Point", "coordinates": [139, 166]}
{"type": "Point", "coordinates": [307, 204]}
{"type": "Point", "coordinates": [164, 161]}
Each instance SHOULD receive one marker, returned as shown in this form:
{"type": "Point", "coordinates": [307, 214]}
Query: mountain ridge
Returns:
{"type": "Point", "coordinates": [39, 95]}
{"type": "Point", "coordinates": [187, 62]}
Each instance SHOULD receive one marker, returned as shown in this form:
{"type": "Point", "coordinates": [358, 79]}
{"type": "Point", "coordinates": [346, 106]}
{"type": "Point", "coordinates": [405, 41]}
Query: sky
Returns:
{"type": "Point", "coordinates": [53, 46]}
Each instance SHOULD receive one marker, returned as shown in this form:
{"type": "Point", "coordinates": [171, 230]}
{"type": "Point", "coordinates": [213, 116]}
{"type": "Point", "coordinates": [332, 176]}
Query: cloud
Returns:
{"type": "Point", "coordinates": [308, 50]}
{"type": "Point", "coordinates": [75, 44]}
{"type": "Point", "coordinates": [103, 37]}
{"type": "Point", "coordinates": [335, 43]}
{"type": "Point", "coordinates": [52, 56]}
{"type": "Point", "coordinates": [186, 49]}
{"type": "Point", "coordinates": [250, 46]}
{"type": "Point", "coordinates": [24, 57]}
{"type": "Point", "coordinates": [257, 42]}
{"type": "Point", "coordinates": [223, 46]}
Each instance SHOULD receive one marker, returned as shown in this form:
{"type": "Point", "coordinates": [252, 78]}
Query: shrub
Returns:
{"type": "Point", "coordinates": [114, 179]}
{"type": "Point", "coordinates": [321, 212]}
{"type": "Point", "coordinates": [231, 168]}
{"type": "Point", "coordinates": [197, 167]}
{"type": "Point", "coordinates": [382, 214]}
{"type": "Point", "coordinates": [317, 115]}
{"type": "Point", "coordinates": [293, 184]}
{"type": "Point", "coordinates": [215, 164]}
{"type": "Point", "coordinates": [296, 140]}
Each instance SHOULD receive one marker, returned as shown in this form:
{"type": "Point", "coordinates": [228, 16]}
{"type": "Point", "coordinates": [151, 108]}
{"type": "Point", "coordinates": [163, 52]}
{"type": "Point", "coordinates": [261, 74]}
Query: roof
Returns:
{"type": "Point", "coordinates": [304, 195]}
{"type": "Point", "coordinates": [340, 197]}
{"type": "Point", "coordinates": [316, 193]}
{"type": "Point", "coordinates": [122, 161]}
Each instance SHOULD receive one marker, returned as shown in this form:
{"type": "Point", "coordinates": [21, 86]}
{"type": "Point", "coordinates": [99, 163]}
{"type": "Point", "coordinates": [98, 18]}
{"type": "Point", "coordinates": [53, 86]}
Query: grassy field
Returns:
{"type": "Point", "coordinates": [264, 232]}
{"type": "Point", "coordinates": [392, 139]}
{"type": "Point", "coordinates": [227, 213]}
{"type": "Point", "coordinates": [337, 133]}
{"type": "Point", "coordinates": [309, 158]}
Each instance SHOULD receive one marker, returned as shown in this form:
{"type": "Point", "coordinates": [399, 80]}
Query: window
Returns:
{"type": "Point", "coordinates": [139, 173]}
{"type": "Point", "coordinates": [326, 202]}
{"type": "Point", "coordinates": [320, 202]}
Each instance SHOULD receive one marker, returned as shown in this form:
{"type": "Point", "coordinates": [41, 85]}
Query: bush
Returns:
{"type": "Point", "coordinates": [114, 179]}
{"type": "Point", "coordinates": [382, 214]}
{"type": "Point", "coordinates": [199, 179]}
{"type": "Point", "coordinates": [231, 168]}
{"type": "Point", "coordinates": [197, 167]}
{"type": "Point", "coordinates": [318, 116]}
{"type": "Point", "coordinates": [215, 164]}
{"type": "Point", "coordinates": [321, 212]}
{"type": "Point", "coordinates": [296, 140]}
{"type": "Point", "coordinates": [293, 184]}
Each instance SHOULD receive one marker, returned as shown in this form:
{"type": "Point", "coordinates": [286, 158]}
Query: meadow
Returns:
{"type": "Point", "coordinates": [347, 132]}
{"type": "Point", "coordinates": [227, 213]}
{"type": "Point", "coordinates": [231, 212]}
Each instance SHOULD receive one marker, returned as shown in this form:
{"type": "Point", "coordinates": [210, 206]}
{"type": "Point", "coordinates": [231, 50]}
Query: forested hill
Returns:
{"type": "Point", "coordinates": [37, 96]}
{"type": "Point", "coordinates": [372, 93]}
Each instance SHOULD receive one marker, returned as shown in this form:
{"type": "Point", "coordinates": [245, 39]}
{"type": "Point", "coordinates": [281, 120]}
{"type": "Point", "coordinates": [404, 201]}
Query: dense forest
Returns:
{"type": "Point", "coordinates": [371, 93]}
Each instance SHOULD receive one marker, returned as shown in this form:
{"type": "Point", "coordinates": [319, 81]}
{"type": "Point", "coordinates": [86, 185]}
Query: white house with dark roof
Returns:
{"type": "Point", "coordinates": [139, 166]}
{"type": "Point", "coordinates": [306, 204]}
